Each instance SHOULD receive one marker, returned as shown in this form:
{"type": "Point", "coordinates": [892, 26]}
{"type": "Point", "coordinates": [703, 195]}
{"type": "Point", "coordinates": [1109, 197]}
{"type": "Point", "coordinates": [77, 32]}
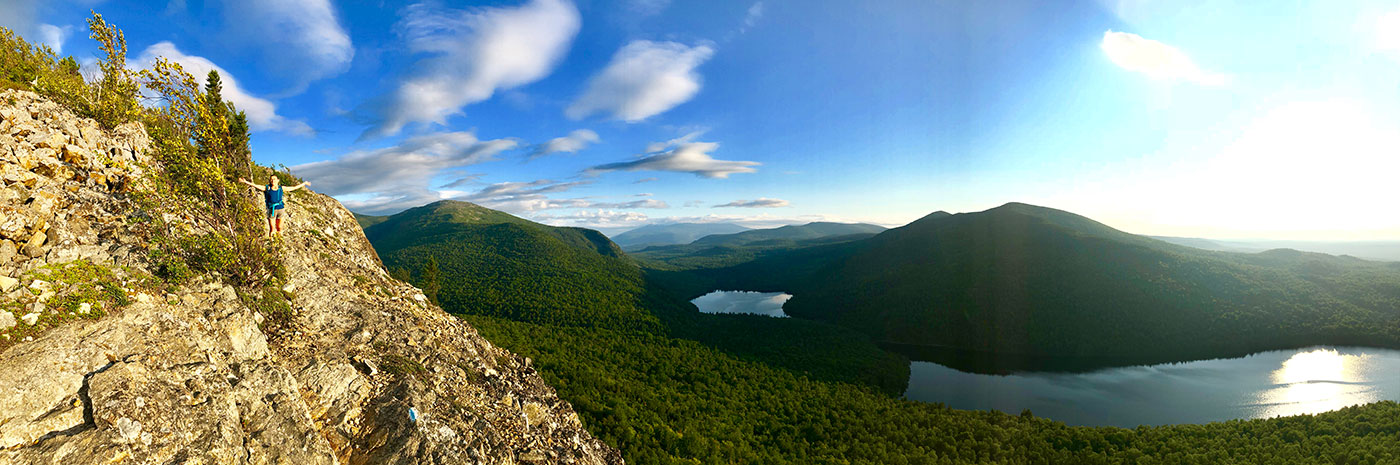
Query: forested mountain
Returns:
{"type": "Point", "coordinates": [1021, 279]}
{"type": "Point", "coordinates": [732, 249]}
{"type": "Point", "coordinates": [697, 388]}
{"type": "Point", "coordinates": [807, 231]}
{"type": "Point", "coordinates": [672, 234]}
{"type": "Point", "coordinates": [476, 260]}
{"type": "Point", "coordinates": [366, 221]}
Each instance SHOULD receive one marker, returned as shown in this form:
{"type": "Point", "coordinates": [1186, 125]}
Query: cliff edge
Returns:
{"type": "Point", "coordinates": [102, 363]}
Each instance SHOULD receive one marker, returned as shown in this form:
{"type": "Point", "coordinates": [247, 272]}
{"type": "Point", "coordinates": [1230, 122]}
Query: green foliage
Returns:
{"type": "Point", "coordinates": [115, 99]}
{"type": "Point", "coordinates": [366, 221]}
{"type": "Point", "coordinates": [673, 401]}
{"type": "Point", "coordinates": [75, 285]}
{"type": "Point", "coordinates": [1028, 280]}
{"type": "Point", "coordinates": [429, 280]}
{"type": "Point", "coordinates": [499, 265]}
{"type": "Point", "coordinates": [398, 365]}
{"type": "Point", "coordinates": [273, 305]}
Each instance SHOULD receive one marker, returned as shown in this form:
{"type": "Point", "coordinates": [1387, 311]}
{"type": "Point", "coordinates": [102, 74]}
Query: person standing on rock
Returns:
{"type": "Point", "coordinates": [273, 198]}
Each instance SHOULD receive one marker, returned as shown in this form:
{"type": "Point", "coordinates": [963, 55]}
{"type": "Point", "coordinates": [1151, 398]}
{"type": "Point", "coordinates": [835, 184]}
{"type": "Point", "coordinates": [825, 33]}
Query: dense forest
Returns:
{"type": "Point", "coordinates": [673, 401]}
{"type": "Point", "coordinates": [696, 388]}
{"type": "Point", "coordinates": [1021, 279]}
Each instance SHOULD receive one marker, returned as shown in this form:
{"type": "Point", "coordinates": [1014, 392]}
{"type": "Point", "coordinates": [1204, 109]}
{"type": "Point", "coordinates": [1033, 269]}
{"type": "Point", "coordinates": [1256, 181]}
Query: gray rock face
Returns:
{"type": "Point", "coordinates": [365, 374]}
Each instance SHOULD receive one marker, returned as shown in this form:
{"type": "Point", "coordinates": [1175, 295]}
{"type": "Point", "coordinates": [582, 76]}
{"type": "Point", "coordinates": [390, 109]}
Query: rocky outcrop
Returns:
{"type": "Point", "coordinates": [367, 372]}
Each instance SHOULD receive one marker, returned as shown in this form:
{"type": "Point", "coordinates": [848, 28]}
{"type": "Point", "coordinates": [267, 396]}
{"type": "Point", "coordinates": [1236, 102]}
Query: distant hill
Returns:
{"type": "Point", "coordinates": [495, 264]}
{"type": "Point", "coordinates": [1369, 250]}
{"type": "Point", "coordinates": [1022, 279]}
{"type": "Point", "coordinates": [731, 249]}
{"type": "Point", "coordinates": [366, 221]}
{"type": "Point", "coordinates": [672, 234]}
{"type": "Point", "coordinates": [788, 233]}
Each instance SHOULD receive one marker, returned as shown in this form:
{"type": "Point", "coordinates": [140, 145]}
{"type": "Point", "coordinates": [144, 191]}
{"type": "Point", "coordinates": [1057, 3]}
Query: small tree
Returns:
{"type": "Point", "coordinates": [428, 280]}
{"type": "Point", "coordinates": [114, 101]}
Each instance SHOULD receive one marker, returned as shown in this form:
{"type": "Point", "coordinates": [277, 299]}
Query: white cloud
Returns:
{"type": "Point", "coordinates": [1155, 59]}
{"type": "Point", "coordinates": [597, 219]}
{"type": "Point", "coordinates": [19, 16]}
{"type": "Point", "coordinates": [54, 36]}
{"type": "Point", "coordinates": [688, 137]}
{"type": "Point", "coordinates": [643, 79]}
{"type": "Point", "coordinates": [301, 41]}
{"type": "Point", "coordinates": [473, 53]}
{"type": "Point", "coordinates": [522, 197]}
{"type": "Point", "coordinates": [635, 204]}
{"type": "Point", "coordinates": [1388, 32]}
{"type": "Point", "coordinates": [262, 114]}
{"type": "Point", "coordinates": [645, 180]}
{"type": "Point", "coordinates": [761, 202]}
{"type": "Point", "coordinates": [572, 143]}
{"type": "Point", "coordinates": [391, 178]}
{"type": "Point", "coordinates": [687, 157]}
{"type": "Point", "coordinates": [763, 221]}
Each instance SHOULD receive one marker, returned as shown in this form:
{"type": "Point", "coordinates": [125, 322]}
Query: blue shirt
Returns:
{"type": "Point", "coordinates": [273, 198]}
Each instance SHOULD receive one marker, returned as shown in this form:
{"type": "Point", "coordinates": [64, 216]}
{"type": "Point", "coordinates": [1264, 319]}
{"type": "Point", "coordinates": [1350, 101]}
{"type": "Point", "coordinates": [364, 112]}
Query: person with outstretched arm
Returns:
{"type": "Point", "coordinates": [273, 198]}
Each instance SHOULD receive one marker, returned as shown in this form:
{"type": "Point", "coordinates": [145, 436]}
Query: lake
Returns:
{"type": "Point", "coordinates": [758, 303]}
{"type": "Point", "coordinates": [1263, 385]}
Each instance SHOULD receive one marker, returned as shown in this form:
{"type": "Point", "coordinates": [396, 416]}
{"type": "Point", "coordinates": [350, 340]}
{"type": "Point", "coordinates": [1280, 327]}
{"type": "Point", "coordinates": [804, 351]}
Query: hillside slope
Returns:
{"type": "Point", "coordinates": [493, 263]}
{"type": "Point", "coordinates": [1020, 279]}
{"type": "Point", "coordinates": [721, 250]}
{"type": "Point", "coordinates": [807, 231]}
{"type": "Point", "coordinates": [114, 366]}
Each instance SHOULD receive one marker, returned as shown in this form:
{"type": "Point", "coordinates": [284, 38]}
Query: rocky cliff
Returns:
{"type": "Point", "coordinates": [102, 363]}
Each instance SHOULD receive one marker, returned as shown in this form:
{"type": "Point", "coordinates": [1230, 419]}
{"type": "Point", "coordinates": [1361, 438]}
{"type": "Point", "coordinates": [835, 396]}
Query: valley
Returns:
{"type": "Point", "coordinates": [675, 384]}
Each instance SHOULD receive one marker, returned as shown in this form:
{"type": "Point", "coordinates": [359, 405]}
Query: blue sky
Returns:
{"type": "Point", "coordinates": [1217, 119]}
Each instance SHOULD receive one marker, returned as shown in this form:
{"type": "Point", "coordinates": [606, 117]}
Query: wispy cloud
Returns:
{"type": "Point", "coordinates": [262, 114]}
{"type": "Point", "coordinates": [522, 197]}
{"type": "Point", "coordinates": [761, 202]}
{"type": "Point", "coordinates": [398, 177]}
{"type": "Point", "coordinates": [572, 143]}
{"type": "Point", "coordinates": [1155, 59]}
{"type": "Point", "coordinates": [751, 18]}
{"type": "Point", "coordinates": [687, 157]}
{"type": "Point", "coordinates": [599, 219]}
{"type": "Point", "coordinates": [54, 36]}
{"type": "Point", "coordinates": [647, 7]}
{"type": "Point", "coordinates": [645, 180]}
{"type": "Point", "coordinates": [643, 79]}
{"type": "Point", "coordinates": [470, 55]}
{"type": "Point", "coordinates": [300, 41]}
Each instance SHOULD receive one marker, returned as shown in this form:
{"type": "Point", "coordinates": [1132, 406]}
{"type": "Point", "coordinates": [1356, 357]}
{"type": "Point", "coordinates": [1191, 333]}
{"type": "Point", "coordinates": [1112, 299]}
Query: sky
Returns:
{"type": "Point", "coordinates": [1220, 119]}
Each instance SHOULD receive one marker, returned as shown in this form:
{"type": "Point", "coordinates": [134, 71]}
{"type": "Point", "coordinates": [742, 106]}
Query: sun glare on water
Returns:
{"type": "Point", "coordinates": [1314, 382]}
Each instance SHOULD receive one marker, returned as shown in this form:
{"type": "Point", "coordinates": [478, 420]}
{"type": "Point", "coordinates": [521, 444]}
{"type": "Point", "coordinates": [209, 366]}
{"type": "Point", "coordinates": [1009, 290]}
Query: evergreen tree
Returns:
{"type": "Point", "coordinates": [400, 274]}
{"type": "Point", "coordinates": [428, 280]}
{"type": "Point", "coordinates": [213, 93]}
